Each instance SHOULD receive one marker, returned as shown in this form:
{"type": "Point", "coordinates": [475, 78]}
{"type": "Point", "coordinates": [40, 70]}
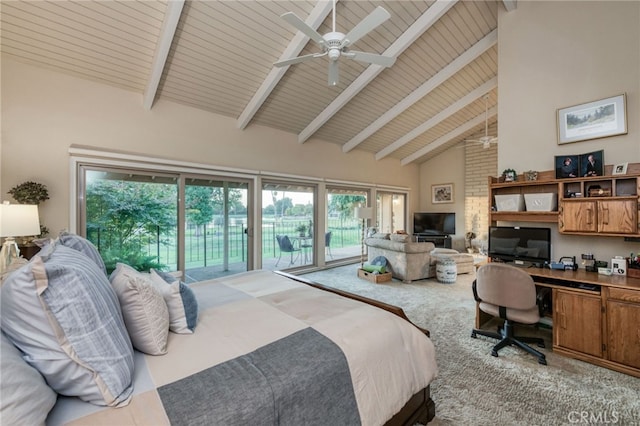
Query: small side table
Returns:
{"type": "Point", "coordinates": [28, 251]}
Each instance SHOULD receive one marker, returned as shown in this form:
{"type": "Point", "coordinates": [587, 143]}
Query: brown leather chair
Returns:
{"type": "Point", "coordinates": [508, 292]}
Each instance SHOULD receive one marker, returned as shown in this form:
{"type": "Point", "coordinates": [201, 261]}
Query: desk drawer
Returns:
{"type": "Point", "coordinates": [624, 294]}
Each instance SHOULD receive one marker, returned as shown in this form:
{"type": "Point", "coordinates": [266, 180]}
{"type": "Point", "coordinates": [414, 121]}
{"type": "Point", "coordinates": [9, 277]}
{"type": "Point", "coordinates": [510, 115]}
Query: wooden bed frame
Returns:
{"type": "Point", "coordinates": [420, 408]}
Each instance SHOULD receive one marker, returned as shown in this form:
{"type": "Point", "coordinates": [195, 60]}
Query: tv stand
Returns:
{"type": "Point", "coordinates": [443, 241]}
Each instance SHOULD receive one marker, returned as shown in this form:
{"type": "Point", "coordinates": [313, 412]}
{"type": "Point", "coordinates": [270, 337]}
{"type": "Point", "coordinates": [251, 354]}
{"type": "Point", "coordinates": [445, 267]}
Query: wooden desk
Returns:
{"type": "Point", "coordinates": [596, 318]}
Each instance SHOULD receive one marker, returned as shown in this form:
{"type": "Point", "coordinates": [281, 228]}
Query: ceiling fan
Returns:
{"type": "Point", "coordinates": [485, 140]}
{"type": "Point", "coordinates": [335, 44]}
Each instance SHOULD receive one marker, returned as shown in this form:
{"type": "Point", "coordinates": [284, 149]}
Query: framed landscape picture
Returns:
{"type": "Point", "coordinates": [597, 119]}
{"type": "Point", "coordinates": [442, 193]}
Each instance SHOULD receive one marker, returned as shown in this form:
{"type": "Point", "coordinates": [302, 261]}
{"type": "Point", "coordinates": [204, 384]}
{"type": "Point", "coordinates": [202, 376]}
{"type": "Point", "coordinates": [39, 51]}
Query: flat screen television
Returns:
{"type": "Point", "coordinates": [520, 244]}
{"type": "Point", "coordinates": [434, 223]}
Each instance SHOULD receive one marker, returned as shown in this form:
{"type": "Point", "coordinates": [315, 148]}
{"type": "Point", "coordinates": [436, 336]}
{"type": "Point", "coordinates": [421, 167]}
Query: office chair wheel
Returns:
{"type": "Point", "coordinates": [494, 353]}
{"type": "Point", "coordinates": [542, 361]}
{"type": "Point", "coordinates": [473, 335]}
{"type": "Point", "coordinates": [541, 345]}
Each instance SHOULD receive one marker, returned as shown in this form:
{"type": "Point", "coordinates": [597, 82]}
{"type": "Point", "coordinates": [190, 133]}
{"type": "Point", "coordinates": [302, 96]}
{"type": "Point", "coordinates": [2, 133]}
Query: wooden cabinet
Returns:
{"type": "Point", "coordinates": [608, 216]}
{"type": "Point", "coordinates": [623, 326]}
{"type": "Point", "coordinates": [577, 321]}
{"type": "Point", "coordinates": [603, 205]}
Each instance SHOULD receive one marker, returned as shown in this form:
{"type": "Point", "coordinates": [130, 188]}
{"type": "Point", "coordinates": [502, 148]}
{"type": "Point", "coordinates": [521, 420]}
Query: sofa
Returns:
{"type": "Point", "coordinates": [409, 261]}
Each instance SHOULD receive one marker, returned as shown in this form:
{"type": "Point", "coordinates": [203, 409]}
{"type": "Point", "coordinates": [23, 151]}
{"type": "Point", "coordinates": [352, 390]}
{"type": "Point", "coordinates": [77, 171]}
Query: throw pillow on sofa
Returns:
{"type": "Point", "coordinates": [62, 313]}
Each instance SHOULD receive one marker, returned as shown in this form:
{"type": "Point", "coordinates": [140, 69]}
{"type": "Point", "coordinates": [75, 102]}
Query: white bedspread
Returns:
{"type": "Point", "coordinates": [389, 359]}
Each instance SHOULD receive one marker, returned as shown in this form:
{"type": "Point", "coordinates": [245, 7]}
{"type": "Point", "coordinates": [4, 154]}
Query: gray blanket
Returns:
{"type": "Point", "coordinates": [302, 379]}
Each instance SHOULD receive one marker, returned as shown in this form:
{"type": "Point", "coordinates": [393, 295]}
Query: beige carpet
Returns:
{"type": "Point", "coordinates": [475, 388]}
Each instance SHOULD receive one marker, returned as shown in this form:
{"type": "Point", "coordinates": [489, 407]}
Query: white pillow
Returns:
{"type": "Point", "coordinates": [182, 304]}
{"type": "Point", "coordinates": [26, 398]}
{"type": "Point", "coordinates": [144, 310]}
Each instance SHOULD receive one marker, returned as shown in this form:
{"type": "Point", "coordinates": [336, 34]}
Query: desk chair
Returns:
{"type": "Point", "coordinates": [327, 244]}
{"type": "Point", "coordinates": [509, 293]}
{"type": "Point", "coordinates": [286, 247]}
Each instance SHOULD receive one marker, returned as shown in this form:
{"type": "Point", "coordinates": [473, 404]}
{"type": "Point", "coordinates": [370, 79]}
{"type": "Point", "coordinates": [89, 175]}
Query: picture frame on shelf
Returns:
{"type": "Point", "coordinates": [442, 193]}
{"type": "Point", "coordinates": [567, 166]}
{"type": "Point", "coordinates": [592, 164]}
{"type": "Point", "coordinates": [620, 169]}
{"type": "Point", "coordinates": [592, 120]}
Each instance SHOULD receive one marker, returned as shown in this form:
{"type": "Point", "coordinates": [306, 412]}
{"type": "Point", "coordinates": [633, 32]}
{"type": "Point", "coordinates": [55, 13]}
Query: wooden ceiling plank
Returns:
{"type": "Point", "coordinates": [438, 118]}
{"type": "Point", "coordinates": [456, 65]}
{"type": "Point", "coordinates": [167, 32]}
{"type": "Point", "coordinates": [422, 24]}
{"type": "Point", "coordinates": [492, 112]}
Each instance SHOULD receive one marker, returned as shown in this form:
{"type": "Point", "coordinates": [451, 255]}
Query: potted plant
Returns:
{"type": "Point", "coordinates": [301, 229]}
{"type": "Point", "coordinates": [509, 175]}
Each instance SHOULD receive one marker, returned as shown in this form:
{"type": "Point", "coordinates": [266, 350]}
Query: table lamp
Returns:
{"type": "Point", "coordinates": [16, 220]}
{"type": "Point", "coordinates": [363, 213]}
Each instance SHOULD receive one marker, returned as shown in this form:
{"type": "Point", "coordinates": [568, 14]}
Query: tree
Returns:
{"type": "Point", "coordinates": [122, 217]}
{"type": "Point", "coordinates": [344, 204]}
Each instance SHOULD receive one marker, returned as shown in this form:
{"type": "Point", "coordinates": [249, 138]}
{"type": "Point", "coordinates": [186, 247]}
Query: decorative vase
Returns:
{"type": "Point", "coordinates": [446, 270]}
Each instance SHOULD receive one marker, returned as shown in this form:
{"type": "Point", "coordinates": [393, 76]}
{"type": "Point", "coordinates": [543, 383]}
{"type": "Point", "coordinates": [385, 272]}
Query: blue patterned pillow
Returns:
{"type": "Point", "coordinates": [61, 311]}
{"type": "Point", "coordinates": [84, 246]}
{"type": "Point", "coordinates": [181, 301]}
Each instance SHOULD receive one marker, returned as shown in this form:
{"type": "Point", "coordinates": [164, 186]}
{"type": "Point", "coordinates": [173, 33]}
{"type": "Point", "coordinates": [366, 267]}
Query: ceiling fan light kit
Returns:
{"type": "Point", "coordinates": [335, 44]}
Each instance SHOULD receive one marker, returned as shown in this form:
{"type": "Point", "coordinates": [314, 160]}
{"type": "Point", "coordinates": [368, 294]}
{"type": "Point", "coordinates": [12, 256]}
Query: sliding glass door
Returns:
{"type": "Point", "coordinates": [139, 218]}
{"type": "Point", "coordinates": [391, 211]}
{"type": "Point", "coordinates": [343, 233]}
{"type": "Point", "coordinates": [216, 223]}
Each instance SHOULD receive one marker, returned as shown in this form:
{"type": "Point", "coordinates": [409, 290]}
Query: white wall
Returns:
{"type": "Point", "coordinates": [447, 167]}
{"type": "Point", "coordinates": [44, 113]}
{"type": "Point", "coordinates": [562, 53]}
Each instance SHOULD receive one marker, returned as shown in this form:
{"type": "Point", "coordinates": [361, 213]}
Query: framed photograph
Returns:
{"type": "Point", "coordinates": [567, 166]}
{"type": "Point", "coordinates": [442, 193]}
{"type": "Point", "coordinates": [592, 164]}
{"type": "Point", "coordinates": [620, 169]}
{"type": "Point", "coordinates": [597, 119]}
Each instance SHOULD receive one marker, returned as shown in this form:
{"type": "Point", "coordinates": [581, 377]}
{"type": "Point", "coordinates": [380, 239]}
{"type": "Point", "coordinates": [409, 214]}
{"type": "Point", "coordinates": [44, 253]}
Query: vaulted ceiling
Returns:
{"type": "Point", "coordinates": [218, 56]}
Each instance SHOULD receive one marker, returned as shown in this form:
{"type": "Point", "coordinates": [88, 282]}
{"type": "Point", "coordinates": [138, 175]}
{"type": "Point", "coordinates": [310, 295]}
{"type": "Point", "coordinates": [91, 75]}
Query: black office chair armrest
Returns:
{"type": "Point", "coordinates": [475, 292]}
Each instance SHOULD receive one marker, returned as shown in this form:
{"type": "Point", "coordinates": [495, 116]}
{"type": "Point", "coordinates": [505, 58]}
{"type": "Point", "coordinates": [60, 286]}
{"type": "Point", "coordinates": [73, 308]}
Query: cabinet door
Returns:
{"type": "Point", "coordinates": [578, 216]}
{"type": "Point", "coordinates": [623, 332]}
{"type": "Point", "coordinates": [618, 216]}
{"type": "Point", "coordinates": [577, 322]}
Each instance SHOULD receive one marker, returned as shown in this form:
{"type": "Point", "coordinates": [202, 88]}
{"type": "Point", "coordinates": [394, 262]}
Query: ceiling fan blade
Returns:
{"type": "Point", "coordinates": [375, 18]}
{"type": "Point", "coordinates": [385, 61]}
{"type": "Point", "coordinates": [297, 60]}
{"type": "Point", "coordinates": [302, 26]}
{"type": "Point", "coordinates": [333, 73]}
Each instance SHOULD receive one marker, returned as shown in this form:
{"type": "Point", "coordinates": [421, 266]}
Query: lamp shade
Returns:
{"type": "Point", "coordinates": [363, 212]}
{"type": "Point", "coordinates": [19, 220]}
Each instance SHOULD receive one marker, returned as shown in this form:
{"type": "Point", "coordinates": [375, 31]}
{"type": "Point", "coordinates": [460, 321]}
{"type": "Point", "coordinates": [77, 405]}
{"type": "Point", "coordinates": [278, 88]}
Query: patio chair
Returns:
{"type": "Point", "coordinates": [286, 247]}
{"type": "Point", "coordinates": [327, 244]}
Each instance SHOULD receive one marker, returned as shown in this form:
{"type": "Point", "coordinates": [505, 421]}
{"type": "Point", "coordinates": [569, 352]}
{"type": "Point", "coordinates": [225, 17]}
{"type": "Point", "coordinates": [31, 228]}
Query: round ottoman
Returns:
{"type": "Point", "coordinates": [446, 270]}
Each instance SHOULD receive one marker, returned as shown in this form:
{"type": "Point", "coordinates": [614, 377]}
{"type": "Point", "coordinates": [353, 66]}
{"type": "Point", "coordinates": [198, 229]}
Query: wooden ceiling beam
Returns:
{"type": "Point", "coordinates": [439, 117]}
{"type": "Point", "coordinates": [428, 86]}
{"type": "Point", "coordinates": [167, 32]}
{"type": "Point", "coordinates": [459, 131]}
